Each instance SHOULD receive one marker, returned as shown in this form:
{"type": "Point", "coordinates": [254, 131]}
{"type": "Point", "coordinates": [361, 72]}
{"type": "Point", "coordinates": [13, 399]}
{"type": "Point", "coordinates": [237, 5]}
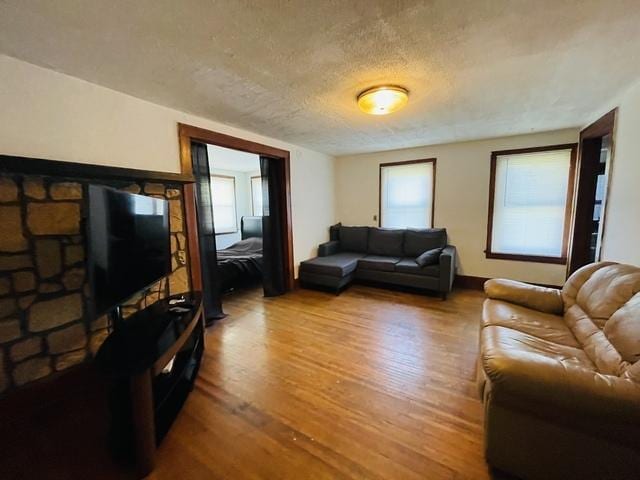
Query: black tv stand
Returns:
{"type": "Point", "coordinates": [145, 395]}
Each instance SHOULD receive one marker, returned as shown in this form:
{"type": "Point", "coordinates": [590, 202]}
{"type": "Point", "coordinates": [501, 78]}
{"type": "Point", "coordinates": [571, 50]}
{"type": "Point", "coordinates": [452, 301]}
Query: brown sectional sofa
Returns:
{"type": "Point", "coordinates": [559, 373]}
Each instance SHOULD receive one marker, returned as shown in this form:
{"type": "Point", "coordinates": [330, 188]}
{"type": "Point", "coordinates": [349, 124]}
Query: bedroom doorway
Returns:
{"type": "Point", "coordinates": [236, 199]}
{"type": "Point", "coordinates": [196, 147]}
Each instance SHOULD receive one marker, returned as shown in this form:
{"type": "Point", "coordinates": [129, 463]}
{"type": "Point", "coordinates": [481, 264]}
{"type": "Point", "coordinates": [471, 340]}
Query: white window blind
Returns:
{"type": "Point", "coordinates": [223, 196]}
{"type": "Point", "coordinates": [406, 195]}
{"type": "Point", "coordinates": [256, 196]}
{"type": "Point", "coordinates": [530, 200]}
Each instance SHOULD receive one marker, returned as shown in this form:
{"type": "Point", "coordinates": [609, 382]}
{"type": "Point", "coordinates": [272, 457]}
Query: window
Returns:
{"type": "Point", "coordinates": [256, 196]}
{"type": "Point", "coordinates": [223, 196]}
{"type": "Point", "coordinates": [406, 194]}
{"type": "Point", "coordinates": [529, 202]}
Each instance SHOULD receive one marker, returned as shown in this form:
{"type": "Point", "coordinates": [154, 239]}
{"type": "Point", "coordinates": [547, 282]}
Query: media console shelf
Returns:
{"type": "Point", "coordinates": [146, 395]}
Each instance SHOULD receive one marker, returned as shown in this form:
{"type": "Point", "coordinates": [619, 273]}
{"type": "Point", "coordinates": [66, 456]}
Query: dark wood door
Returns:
{"type": "Point", "coordinates": [594, 163]}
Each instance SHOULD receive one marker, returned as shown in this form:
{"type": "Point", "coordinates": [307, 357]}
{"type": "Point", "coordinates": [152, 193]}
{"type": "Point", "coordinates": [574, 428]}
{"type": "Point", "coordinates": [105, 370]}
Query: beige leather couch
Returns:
{"type": "Point", "coordinates": [559, 373]}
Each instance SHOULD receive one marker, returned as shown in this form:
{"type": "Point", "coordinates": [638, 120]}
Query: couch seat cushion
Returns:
{"type": "Point", "coordinates": [338, 265]}
{"type": "Point", "coordinates": [419, 241]}
{"type": "Point", "coordinates": [501, 345]}
{"type": "Point", "coordinates": [354, 239]}
{"type": "Point", "coordinates": [409, 265]}
{"type": "Point", "coordinates": [384, 241]}
{"type": "Point", "coordinates": [378, 262]}
{"type": "Point", "coordinates": [541, 325]}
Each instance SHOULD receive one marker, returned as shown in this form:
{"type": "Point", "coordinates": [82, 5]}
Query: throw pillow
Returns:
{"type": "Point", "coordinates": [430, 257]}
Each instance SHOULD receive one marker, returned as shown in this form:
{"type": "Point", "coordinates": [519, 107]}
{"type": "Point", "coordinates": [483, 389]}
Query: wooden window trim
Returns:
{"type": "Point", "coordinates": [562, 260]}
{"type": "Point", "coordinates": [253, 207]}
{"type": "Point", "coordinates": [408, 162]}
{"type": "Point", "coordinates": [235, 202]}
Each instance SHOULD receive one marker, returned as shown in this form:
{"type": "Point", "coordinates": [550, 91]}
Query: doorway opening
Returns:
{"type": "Point", "coordinates": [229, 173]}
{"type": "Point", "coordinates": [594, 165]}
{"type": "Point", "coordinates": [236, 199]}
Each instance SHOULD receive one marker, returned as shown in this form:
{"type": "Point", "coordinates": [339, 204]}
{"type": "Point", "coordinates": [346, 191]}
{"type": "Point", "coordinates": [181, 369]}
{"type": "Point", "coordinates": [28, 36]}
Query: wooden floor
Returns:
{"type": "Point", "coordinates": [371, 384]}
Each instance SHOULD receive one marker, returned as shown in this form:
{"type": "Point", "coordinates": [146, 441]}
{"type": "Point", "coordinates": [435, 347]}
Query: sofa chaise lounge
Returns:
{"type": "Point", "coordinates": [419, 258]}
{"type": "Point", "coordinates": [559, 373]}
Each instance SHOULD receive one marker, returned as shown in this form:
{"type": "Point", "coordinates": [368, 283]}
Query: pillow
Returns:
{"type": "Point", "coordinates": [430, 257]}
{"type": "Point", "coordinates": [385, 242]}
{"type": "Point", "coordinates": [354, 239]}
{"type": "Point", "coordinates": [418, 241]}
{"type": "Point", "coordinates": [334, 231]}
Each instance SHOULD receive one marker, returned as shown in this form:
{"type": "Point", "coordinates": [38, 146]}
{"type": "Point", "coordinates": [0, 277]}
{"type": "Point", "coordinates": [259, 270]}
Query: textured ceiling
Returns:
{"type": "Point", "coordinates": [292, 69]}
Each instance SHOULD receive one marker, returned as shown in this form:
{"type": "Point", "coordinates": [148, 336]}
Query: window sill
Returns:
{"type": "Point", "coordinates": [527, 258]}
{"type": "Point", "coordinates": [226, 233]}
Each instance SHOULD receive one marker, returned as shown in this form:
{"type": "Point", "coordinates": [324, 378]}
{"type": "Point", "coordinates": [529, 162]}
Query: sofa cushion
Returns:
{"type": "Point", "coordinates": [419, 241]}
{"type": "Point", "coordinates": [601, 313]}
{"type": "Point", "coordinates": [354, 239]}
{"type": "Point", "coordinates": [409, 265]}
{"type": "Point", "coordinates": [500, 343]}
{"type": "Point", "coordinates": [377, 262]}
{"type": "Point", "coordinates": [337, 265]}
{"type": "Point", "coordinates": [623, 329]}
{"type": "Point", "coordinates": [542, 325]}
{"type": "Point", "coordinates": [430, 257]}
{"type": "Point", "coordinates": [385, 242]}
{"type": "Point", "coordinates": [543, 299]}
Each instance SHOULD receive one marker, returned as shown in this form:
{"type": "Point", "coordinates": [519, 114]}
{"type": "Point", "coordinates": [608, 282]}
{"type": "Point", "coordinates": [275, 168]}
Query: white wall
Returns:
{"type": "Point", "coordinates": [461, 198]}
{"type": "Point", "coordinates": [45, 114]}
{"type": "Point", "coordinates": [621, 237]}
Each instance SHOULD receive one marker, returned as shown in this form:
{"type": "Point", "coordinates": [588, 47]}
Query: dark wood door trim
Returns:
{"type": "Point", "coordinates": [588, 157]}
{"type": "Point", "coordinates": [601, 127]}
{"type": "Point", "coordinates": [187, 134]}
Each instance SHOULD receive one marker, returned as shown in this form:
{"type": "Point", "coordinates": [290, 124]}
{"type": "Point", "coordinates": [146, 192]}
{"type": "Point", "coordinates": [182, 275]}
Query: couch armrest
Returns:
{"type": "Point", "coordinates": [447, 268]}
{"type": "Point", "coordinates": [543, 299]}
{"type": "Point", "coordinates": [328, 248]}
{"type": "Point", "coordinates": [547, 386]}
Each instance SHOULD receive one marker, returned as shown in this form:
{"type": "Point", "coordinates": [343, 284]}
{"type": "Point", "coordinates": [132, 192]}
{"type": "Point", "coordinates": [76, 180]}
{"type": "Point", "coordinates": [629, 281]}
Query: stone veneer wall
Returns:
{"type": "Point", "coordinates": [44, 294]}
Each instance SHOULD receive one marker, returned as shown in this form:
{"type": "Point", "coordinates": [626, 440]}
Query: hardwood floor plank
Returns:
{"type": "Point", "coordinates": [373, 384]}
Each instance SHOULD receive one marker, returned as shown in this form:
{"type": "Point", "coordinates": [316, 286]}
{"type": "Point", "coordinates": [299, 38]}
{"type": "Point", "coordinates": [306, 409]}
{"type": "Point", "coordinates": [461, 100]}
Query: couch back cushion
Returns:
{"type": "Point", "coordinates": [418, 241]}
{"type": "Point", "coordinates": [602, 309]}
{"type": "Point", "coordinates": [387, 242]}
{"type": "Point", "coordinates": [354, 239]}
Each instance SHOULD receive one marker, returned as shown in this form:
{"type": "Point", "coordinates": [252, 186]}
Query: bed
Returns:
{"type": "Point", "coordinates": [240, 265]}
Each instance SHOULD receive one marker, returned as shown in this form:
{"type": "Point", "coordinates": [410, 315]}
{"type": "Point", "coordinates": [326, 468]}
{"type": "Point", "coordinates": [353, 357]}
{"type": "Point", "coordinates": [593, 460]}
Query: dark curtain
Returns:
{"type": "Point", "coordinates": [206, 233]}
{"type": "Point", "coordinates": [272, 171]}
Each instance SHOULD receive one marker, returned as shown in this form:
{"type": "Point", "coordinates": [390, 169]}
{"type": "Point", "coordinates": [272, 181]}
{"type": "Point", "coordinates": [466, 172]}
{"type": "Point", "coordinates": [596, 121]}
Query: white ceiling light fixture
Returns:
{"type": "Point", "coordinates": [383, 100]}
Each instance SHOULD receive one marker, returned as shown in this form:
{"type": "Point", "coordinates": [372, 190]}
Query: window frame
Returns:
{"type": "Point", "coordinates": [235, 204]}
{"type": "Point", "coordinates": [253, 207]}
{"type": "Point", "coordinates": [399, 164]}
{"type": "Point", "coordinates": [568, 208]}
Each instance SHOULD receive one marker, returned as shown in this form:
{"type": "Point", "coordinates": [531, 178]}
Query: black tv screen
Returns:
{"type": "Point", "coordinates": [129, 245]}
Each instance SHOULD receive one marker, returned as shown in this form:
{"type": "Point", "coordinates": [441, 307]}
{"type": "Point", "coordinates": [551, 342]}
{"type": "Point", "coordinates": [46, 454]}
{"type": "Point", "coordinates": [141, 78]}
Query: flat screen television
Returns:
{"type": "Point", "coordinates": [128, 247]}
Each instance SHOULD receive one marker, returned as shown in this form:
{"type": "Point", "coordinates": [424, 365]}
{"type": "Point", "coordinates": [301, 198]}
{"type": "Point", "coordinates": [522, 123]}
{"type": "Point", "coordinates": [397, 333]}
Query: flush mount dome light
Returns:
{"type": "Point", "coordinates": [383, 100]}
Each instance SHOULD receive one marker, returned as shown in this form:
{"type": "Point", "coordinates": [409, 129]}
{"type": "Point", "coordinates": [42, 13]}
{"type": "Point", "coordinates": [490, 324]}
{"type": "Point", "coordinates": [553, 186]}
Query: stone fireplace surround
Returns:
{"type": "Point", "coordinates": [44, 293]}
